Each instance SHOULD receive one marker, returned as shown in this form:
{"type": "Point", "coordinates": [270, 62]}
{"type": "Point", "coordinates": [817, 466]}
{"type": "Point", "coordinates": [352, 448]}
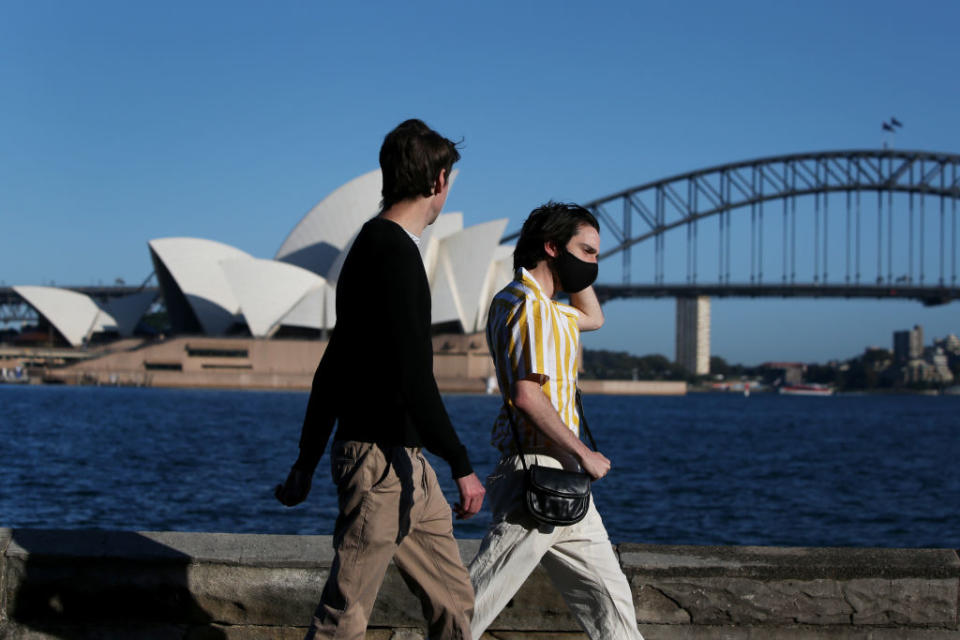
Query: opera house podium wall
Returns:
{"type": "Point", "coordinates": [461, 364]}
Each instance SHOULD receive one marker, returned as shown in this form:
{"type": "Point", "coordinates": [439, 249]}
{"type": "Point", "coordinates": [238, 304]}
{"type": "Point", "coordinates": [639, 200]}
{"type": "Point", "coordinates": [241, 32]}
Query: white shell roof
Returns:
{"type": "Point", "coordinates": [445, 225]}
{"type": "Point", "coordinates": [445, 299]}
{"type": "Point", "coordinates": [465, 268]}
{"type": "Point", "coordinates": [75, 315]}
{"type": "Point", "coordinates": [499, 276]}
{"type": "Point", "coordinates": [333, 274]}
{"type": "Point", "coordinates": [127, 310]}
{"type": "Point", "coordinates": [267, 290]}
{"type": "Point", "coordinates": [316, 310]}
{"type": "Point", "coordinates": [325, 231]}
{"type": "Point", "coordinates": [195, 265]}
{"type": "Point", "coordinates": [462, 276]}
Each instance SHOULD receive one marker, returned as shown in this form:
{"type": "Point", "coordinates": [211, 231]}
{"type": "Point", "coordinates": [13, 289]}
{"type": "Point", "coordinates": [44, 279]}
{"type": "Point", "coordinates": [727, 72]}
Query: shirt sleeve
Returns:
{"type": "Point", "coordinates": [321, 409]}
{"type": "Point", "coordinates": [527, 335]}
{"type": "Point", "coordinates": [409, 334]}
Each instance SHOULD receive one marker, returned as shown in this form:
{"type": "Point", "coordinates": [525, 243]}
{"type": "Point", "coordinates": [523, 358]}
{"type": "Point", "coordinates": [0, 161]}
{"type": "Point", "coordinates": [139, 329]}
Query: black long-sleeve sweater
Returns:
{"type": "Point", "coordinates": [376, 376]}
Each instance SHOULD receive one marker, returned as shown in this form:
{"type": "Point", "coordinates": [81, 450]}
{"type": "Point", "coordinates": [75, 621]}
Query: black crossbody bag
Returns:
{"type": "Point", "coordinates": [555, 496]}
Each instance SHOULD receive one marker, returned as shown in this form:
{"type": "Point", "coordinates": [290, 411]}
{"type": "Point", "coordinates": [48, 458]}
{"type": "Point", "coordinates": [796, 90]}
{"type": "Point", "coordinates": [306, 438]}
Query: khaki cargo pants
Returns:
{"type": "Point", "coordinates": [391, 508]}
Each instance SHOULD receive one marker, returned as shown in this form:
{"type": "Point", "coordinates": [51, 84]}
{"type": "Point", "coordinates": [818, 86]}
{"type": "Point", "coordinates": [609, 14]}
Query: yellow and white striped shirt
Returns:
{"type": "Point", "coordinates": [532, 337]}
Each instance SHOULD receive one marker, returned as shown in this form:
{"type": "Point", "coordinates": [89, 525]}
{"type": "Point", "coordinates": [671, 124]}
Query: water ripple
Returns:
{"type": "Point", "coordinates": [700, 469]}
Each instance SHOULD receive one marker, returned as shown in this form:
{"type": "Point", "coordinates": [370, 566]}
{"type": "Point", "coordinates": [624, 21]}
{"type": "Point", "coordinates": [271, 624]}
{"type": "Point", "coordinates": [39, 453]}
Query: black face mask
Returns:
{"type": "Point", "coordinates": [575, 274]}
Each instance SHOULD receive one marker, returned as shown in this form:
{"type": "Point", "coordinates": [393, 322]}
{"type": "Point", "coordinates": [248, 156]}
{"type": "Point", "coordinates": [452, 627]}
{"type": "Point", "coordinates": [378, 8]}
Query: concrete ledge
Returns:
{"type": "Point", "coordinates": [198, 586]}
{"type": "Point", "coordinates": [793, 586]}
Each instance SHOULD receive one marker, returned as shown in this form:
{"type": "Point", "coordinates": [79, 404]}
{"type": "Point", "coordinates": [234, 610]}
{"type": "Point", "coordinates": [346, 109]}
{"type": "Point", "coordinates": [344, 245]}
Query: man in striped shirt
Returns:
{"type": "Point", "coordinates": [535, 343]}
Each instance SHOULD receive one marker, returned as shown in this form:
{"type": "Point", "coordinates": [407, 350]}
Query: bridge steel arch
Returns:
{"type": "Point", "coordinates": [685, 199]}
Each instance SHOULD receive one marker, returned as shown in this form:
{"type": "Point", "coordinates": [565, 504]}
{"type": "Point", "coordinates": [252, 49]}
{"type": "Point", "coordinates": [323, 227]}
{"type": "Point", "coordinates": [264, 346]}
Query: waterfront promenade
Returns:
{"type": "Point", "coordinates": [191, 586]}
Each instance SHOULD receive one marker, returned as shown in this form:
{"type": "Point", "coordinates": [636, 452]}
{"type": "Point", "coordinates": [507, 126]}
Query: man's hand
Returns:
{"type": "Point", "coordinates": [295, 489]}
{"type": "Point", "coordinates": [595, 464]}
{"type": "Point", "coordinates": [471, 496]}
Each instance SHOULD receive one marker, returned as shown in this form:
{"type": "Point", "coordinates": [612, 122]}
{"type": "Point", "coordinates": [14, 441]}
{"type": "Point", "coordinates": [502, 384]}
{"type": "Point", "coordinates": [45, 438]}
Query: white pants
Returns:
{"type": "Point", "coordinates": [579, 559]}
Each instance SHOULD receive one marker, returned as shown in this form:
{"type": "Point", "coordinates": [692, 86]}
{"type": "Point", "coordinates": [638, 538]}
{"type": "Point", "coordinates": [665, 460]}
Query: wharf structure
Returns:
{"type": "Point", "coordinates": [192, 586]}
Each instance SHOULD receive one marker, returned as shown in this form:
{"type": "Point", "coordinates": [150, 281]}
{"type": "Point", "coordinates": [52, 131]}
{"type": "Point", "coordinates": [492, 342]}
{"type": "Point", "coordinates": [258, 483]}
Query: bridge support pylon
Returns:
{"type": "Point", "coordinates": [693, 334]}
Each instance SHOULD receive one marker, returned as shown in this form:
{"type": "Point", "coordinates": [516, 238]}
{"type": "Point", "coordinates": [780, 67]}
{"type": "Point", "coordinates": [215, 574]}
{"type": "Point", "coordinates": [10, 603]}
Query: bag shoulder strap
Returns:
{"type": "Point", "coordinates": [583, 420]}
{"type": "Point", "coordinates": [516, 431]}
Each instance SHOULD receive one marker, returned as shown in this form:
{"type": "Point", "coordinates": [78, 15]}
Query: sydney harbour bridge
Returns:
{"type": "Point", "coordinates": [839, 224]}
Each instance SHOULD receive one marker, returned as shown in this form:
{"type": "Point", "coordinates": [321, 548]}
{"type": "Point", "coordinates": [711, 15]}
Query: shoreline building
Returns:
{"type": "Point", "coordinates": [693, 334]}
{"type": "Point", "coordinates": [908, 345]}
{"type": "Point", "coordinates": [923, 365]}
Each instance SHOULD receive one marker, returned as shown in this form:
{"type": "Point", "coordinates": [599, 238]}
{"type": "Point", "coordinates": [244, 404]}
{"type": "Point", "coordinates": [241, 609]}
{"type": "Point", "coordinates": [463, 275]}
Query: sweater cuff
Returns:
{"type": "Point", "coordinates": [307, 461]}
{"type": "Point", "coordinates": [459, 463]}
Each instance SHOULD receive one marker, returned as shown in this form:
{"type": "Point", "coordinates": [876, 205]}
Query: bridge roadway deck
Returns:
{"type": "Point", "coordinates": [929, 294]}
{"type": "Point", "coordinates": [9, 296]}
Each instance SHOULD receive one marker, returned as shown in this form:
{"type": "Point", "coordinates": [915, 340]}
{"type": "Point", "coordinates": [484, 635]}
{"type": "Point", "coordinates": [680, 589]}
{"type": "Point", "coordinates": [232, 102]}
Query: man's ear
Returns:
{"type": "Point", "coordinates": [440, 182]}
{"type": "Point", "coordinates": [550, 247]}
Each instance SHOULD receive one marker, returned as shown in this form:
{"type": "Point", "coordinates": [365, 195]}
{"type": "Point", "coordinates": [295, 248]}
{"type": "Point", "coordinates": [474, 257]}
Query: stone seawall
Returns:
{"type": "Point", "coordinates": [204, 586]}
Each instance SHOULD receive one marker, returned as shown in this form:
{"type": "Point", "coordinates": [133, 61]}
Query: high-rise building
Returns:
{"type": "Point", "coordinates": [950, 344]}
{"type": "Point", "coordinates": [693, 334]}
{"type": "Point", "coordinates": [908, 345]}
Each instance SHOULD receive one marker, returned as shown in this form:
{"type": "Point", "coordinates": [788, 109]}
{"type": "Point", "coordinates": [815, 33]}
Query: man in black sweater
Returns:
{"type": "Point", "coordinates": [376, 380]}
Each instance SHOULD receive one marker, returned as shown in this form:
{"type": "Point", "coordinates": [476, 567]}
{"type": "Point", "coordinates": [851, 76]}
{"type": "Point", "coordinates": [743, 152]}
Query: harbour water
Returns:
{"type": "Point", "coordinates": [699, 469]}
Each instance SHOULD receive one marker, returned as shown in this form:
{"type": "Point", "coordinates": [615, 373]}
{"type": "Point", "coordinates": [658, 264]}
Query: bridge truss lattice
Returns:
{"type": "Point", "coordinates": [912, 258]}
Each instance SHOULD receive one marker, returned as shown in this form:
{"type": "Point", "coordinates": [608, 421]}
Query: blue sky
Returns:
{"type": "Point", "coordinates": [121, 122]}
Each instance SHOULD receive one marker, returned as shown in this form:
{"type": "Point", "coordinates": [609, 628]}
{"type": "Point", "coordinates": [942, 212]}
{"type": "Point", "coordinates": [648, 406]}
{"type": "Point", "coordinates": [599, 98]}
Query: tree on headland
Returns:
{"type": "Point", "coordinates": [620, 365]}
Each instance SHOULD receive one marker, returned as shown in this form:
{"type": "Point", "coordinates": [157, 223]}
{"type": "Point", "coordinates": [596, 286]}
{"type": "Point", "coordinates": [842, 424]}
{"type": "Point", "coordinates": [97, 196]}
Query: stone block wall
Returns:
{"type": "Point", "coordinates": [103, 585]}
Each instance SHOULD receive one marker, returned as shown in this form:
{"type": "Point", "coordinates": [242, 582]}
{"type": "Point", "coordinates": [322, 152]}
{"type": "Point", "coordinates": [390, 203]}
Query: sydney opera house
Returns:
{"type": "Point", "coordinates": [231, 313]}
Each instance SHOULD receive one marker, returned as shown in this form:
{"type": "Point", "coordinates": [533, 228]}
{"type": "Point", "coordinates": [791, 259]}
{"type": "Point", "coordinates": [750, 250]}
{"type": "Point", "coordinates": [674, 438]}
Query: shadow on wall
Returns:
{"type": "Point", "coordinates": [80, 585]}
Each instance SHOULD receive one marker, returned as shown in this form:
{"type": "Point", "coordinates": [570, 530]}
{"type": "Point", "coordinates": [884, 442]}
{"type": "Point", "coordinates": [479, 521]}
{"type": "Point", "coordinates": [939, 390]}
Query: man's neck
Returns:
{"type": "Point", "coordinates": [544, 277]}
{"type": "Point", "coordinates": [413, 215]}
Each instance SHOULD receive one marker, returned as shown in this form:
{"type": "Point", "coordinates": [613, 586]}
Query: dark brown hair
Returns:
{"type": "Point", "coordinates": [411, 159]}
{"type": "Point", "coordinates": [553, 221]}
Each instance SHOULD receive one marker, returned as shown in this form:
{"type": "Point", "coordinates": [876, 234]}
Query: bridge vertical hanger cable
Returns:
{"type": "Point", "coordinates": [663, 238]}
{"type": "Point", "coordinates": [856, 260]}
{"type": "Point", "coordinates": [657, 203]}
{"type": "Point", "coordinates": [689, 226]}
{"type": "Point", "coordinates": [728, 231]}
{"type": "Point", "coordinates": [953, 237]}
{"type": "Point", "coordinates": [910, 238]}
{"type": "Point", "coordinates": [661, 221]}
{"type": "Point", "coordinates": [793, 227]}
{"type": "Point", "coordinates": [696, 232]}
{"type": "Point", "coordinates": [879, 237]}
{"type": "Point", "coordinates": [816, 224]}
{"type": "Point", "coordinates": [661, 217]}
{"type": "Point", "coordinates": [753, 222]}
{"type": "Point", "coordinates": [847, 238]}
{"type": "Point", "coordinates": [760, 245]}
{"type": "Point", "coordinates": [890, 222]}
{"type": "Point", "coordinates": [626, 234]}
{"type": "Point", "coordinates": [923, 224]}
{"type": "Point", "coordinates": [786, 202]}
{"type": "Point", "coordinates": [826, 218]}
{"type": "Point", "coordinates": [721, 218]}
{"type": "Point", "coordinates": [943, 228]}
